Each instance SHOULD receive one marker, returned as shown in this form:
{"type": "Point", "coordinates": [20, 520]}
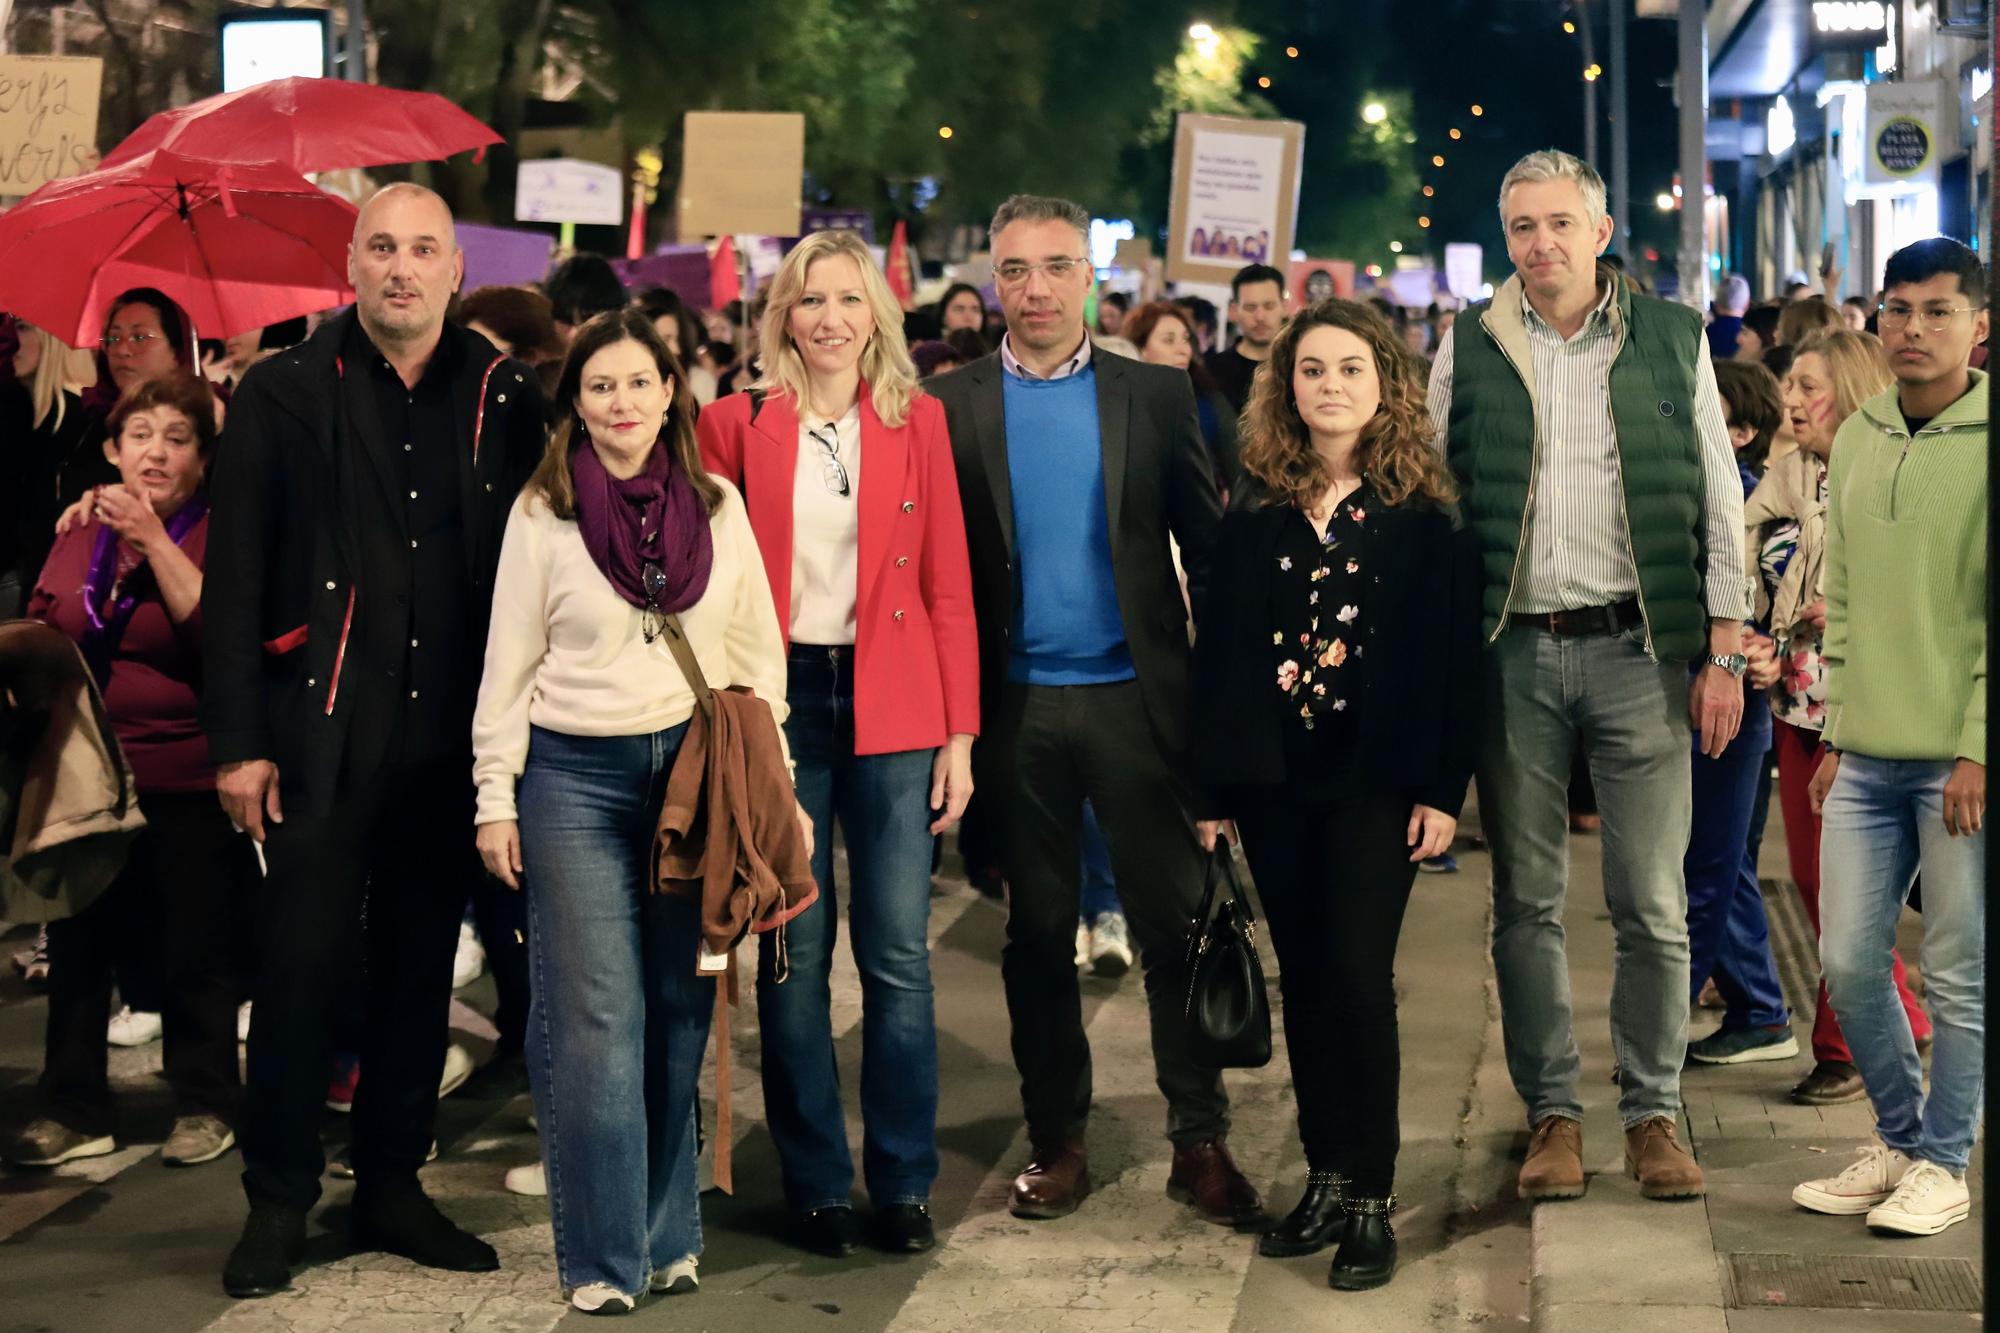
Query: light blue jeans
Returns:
{"type": "Point", "coordinates": [618, 1018]}
{"type": "Point", "coordinates": [1883, 823]}
{"type": "Point", "coordinates": [1545, 695]}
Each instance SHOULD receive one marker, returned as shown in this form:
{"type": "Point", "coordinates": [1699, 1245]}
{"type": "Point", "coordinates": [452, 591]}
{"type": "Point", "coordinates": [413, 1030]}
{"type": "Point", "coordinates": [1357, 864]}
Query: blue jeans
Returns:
{"type": "Point", "coordinates": [1099, 893]}
{"type": "Point", "coordinates": [882, 802]}
{"type": "Point", "coordinates": [618, 1017]}
{"type": "Point", "coordinates": [1545, 694]}
{"type": "Point", "coordinates": [1883, 823]}
{"type": "Point", "coordinates": [1728, 936]}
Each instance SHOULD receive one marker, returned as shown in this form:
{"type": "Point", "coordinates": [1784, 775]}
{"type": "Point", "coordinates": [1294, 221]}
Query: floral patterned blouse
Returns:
{"type": "Point", "coordinates": [1799, 697]}
{"type": "Point", "coordinates": [1317, 635]}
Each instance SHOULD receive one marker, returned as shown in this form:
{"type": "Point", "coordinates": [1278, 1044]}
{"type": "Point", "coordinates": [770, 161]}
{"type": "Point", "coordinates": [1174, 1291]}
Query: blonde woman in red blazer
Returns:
{"type": "Point", "coordinates": [847, 472]}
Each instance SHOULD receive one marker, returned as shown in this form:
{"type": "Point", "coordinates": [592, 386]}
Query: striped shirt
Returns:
{"type": "Point", "coordinates": [1579, 545]}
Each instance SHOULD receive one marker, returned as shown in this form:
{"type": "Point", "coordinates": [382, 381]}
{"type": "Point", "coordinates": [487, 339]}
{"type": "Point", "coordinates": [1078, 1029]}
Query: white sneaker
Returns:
{"type": "Point", "coordinates": [1871, 1178]}
{"type": "Point", "coordinates": [1110, 946]}
{"type": "Point", "coordinates": [243, 1022]}
{"type": "Point", "coordinates": [677, 1278]}
{"type": "Point", "coordinates": [531, 1180]}
{"type": "Point", "coordinates": [457, 1068]}
{"type": "Point", "coordinates": [1928, 1200]}
{"type": "Point", "coordinates": [134, 1027]}
{"type": "Point", "coordinates": [469, 963]}
{"type": "Point", "coordinates": [600, 1298]}
{"type": "Point", "coordinates": [1082, 944]}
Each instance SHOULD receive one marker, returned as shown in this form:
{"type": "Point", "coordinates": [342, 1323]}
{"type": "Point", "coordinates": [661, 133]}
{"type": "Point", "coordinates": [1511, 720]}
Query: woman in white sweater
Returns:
{"type": "Point", "coordinates": [581, 714]}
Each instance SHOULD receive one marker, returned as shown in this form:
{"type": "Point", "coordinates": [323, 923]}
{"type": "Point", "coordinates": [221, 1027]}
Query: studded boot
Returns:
{"type": "Point", "coordinates": [1367, 1256]}
{"type": "Point", "coordinates": [1317, 1222]}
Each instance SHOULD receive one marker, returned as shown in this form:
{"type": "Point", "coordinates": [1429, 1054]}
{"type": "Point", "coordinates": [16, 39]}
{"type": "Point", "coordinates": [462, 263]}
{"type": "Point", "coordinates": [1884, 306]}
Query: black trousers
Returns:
{"type": "Point", "coordinates": [1335, 878]}
{"type": "Point", "coordinates": [1061, 746]}
{"type": "Point", "coordinates": [383, 872]}
{"type": "Point", "coordinates": [186, 888]}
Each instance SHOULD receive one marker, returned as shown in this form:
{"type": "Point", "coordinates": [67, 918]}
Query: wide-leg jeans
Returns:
{"type": "Point", "coordinates": [618, 1017]}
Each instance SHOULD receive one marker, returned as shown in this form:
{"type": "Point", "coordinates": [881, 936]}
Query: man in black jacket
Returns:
{"type": "Point", "coordinates": [1075, 467]}
{"type": "Point", "coordinates": [360, 494]}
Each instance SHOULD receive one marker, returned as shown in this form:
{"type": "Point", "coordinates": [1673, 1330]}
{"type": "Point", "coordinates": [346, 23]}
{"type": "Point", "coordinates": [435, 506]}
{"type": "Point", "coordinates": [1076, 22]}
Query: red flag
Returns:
{"type": "Point", "coordinates": [899, 264]}
{"type": "Point", "coordinates": [723, 284]}
{"type": "Point", "coordinates": [635, 243]}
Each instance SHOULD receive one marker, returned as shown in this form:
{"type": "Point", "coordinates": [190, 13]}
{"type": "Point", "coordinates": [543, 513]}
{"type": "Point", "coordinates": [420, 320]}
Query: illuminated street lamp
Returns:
{"type": "Point", "coordinates": [1664, 202]}
{"type": "Point", "coordinates": [1201, 32]}
{"type": "Point", "coordinates": [1567, 26]}
{"type": "Point", "coordinates": [1374, 113]}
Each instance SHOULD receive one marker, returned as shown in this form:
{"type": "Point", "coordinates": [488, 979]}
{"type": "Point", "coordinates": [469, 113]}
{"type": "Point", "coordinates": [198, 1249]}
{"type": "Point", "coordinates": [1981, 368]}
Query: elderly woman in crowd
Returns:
{"type": "Point", "coordinates": [125, 583]}
{"type": "Point", "coordinates": [854, 499]}
{"type": "Point", "coordinates": [1833, 372]}
{"type": "Point", "coordinates": [581, 714]}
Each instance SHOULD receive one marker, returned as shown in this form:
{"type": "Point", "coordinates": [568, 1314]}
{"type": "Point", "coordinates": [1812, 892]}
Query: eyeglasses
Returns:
{"type": "Point", "coordinates": [654, 580]}
{"type": "Point", "coordinates": [1015, 272]}
{"type": "Point", "coordinates": [831, 471]}
{"type": "Point", "coordinates": [112, 342]}
{"type": "Point", "coordinates": [1936, 319]}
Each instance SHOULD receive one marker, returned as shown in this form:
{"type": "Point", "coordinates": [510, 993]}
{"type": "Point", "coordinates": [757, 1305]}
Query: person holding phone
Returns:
{"type": "Point", "coordinates": [847, 470]}
{"type": "Point", "coordinates": [1336, 721]}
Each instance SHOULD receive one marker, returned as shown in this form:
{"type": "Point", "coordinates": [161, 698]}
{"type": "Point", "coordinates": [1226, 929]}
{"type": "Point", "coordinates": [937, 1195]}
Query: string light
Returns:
{"type": "Point", "coordinates": [1478, 110]}
{"type": "Point", "coordinates": [1395, 247]}
{"type": "Point", "coordinates": [944, 131]}
{"type": "Point", "coordinates": [1264, 81]}
{"type": "Point", "coordinates": [1423, 222]}
{"type": "Point", "coordinates": [1455, 134]}
{"type": "Point", "coordinates": [1437, 160]}
{"type": "Point", "coordinates": [1429, 191]}
{"type": "Point", "coordinates": [1568, 26]}
{"type": "Point", "coordinates": [1292, 51]}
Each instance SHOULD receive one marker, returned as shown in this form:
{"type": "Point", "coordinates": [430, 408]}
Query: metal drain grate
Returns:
{"type": "Point", "coordinates": [1852, 1282]}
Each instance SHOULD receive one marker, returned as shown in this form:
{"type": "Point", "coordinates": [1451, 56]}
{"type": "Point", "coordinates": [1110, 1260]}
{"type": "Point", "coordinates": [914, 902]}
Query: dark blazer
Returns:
{"type": "Point", "coordinates": [1158, 480]}
{"type": "Point", "coordinates": [304, 522]}
{"type": "Point", "coordinates": [1420, 715]}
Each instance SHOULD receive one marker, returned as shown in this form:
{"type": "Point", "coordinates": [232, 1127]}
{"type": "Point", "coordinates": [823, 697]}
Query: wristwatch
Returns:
{"type": "Point", "coordinates": [1734, 663]}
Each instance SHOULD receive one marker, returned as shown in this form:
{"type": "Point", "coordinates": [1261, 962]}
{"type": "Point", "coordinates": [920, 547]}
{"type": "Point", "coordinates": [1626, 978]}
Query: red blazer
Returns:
{"type": "Point", "coordinates": [916, 646]}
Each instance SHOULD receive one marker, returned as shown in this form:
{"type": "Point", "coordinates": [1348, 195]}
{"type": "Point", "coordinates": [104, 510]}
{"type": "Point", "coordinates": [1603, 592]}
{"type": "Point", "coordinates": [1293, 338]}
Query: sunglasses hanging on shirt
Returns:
{"type": "Point", "coordinates": [653, 619]}
{"type": "Point", "coordinates": [832, 472]}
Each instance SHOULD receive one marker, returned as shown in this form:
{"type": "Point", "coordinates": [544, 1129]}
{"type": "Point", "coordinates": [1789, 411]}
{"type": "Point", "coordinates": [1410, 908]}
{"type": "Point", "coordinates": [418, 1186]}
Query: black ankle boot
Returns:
{"type": "Point", "coordinates": [1317, 1221]}
{"type": "Point", "coordinates": [403, 1220]}
{"type": "Point", "coordinates": [273, 1240]}
{"type": "Point", "coordinates": [1367, 1255]}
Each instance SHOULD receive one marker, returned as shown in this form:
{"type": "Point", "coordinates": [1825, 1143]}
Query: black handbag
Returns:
{"type": "Point", "coordinates": [1227, 1014]}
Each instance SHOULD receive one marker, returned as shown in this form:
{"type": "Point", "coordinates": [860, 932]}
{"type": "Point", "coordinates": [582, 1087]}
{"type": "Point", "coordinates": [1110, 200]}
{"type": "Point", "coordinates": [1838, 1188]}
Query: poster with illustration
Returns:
{"type": "Point", "coordinates": [1312, 280]}
{"type": "Point", "coordinates": [1235, 196]}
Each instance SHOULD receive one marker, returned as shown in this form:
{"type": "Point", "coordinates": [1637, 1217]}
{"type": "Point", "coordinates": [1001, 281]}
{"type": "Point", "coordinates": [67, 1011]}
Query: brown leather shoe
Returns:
{"type": "Point", "coordinates": [1655, 1158]}
{"type": "Point", "coordinates": [1056, 1181]}
{"type": "Point", "coordinates": [1830, 1083]}
{"type": "Point", "coordinates": [1206, 1177]}
{"type": "Point", "coordinates": [1554, 1169]}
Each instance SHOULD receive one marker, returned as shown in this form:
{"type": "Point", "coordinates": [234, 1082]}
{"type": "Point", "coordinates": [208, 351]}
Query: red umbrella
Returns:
{"type": "Point", "coordinates": [312, 125]}
{"type": "Point", "coordinates": [238, 245]}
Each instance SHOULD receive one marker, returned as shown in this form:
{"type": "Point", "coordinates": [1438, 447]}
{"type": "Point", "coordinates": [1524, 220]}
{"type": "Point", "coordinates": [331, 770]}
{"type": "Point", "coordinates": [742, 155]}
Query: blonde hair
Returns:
{"type": "Point", "coordinates": [886, 367]}
{"type": "Point", "coordinates": [1854, 361]}
{"type": "Point", "coordinates": [51, 376]}
{"type": "Point", "coordinates": [1806, 316]}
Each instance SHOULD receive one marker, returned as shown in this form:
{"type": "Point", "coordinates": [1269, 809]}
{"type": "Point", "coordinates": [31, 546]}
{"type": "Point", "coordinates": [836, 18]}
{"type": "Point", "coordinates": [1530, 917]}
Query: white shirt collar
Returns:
{"type": "Point", "coordinates": [1012, 364]}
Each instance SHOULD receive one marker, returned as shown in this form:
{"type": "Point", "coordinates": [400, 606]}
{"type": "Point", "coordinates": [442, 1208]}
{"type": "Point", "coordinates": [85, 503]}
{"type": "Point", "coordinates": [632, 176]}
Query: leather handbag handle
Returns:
{"type": "Point", "coordinates": [1220, 859]}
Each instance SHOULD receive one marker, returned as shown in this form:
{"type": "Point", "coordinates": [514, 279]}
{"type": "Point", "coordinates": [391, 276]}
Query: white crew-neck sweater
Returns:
{"type": "Point", "coordinates": [567, 653]}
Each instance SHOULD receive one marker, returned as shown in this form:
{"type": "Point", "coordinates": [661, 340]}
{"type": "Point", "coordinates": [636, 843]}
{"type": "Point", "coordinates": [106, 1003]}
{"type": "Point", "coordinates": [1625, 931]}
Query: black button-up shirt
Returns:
{"type": "Point", "coordinates": [437, 680]}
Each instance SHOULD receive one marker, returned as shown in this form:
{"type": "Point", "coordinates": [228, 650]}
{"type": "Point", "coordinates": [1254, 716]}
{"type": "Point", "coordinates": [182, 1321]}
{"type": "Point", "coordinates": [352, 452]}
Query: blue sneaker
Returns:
{"type": "Point", "coordinates": [1443, 864]}
{"type": "Point", "coordinates": [1742, 1046]}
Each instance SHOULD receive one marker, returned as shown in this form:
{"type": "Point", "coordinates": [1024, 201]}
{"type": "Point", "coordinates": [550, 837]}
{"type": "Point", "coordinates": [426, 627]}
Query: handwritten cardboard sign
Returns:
{"type": "Point", "coordinates": [48, 119]}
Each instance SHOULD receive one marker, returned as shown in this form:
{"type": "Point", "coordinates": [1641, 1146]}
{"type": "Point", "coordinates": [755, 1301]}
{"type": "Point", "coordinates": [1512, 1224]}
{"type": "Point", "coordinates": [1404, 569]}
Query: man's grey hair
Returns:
{"type": "Point", "coordinates": [1734, 298]}
{"type": "Point", "coordinates": [1553, 164]}
{"type": "Point", "coordinates": [1039, 208]}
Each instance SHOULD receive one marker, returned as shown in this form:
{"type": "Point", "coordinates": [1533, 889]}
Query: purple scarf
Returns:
{"type": "Point", "coordinates": [107, 628]}
{"type": "Point", "coordinates": [655, 518]}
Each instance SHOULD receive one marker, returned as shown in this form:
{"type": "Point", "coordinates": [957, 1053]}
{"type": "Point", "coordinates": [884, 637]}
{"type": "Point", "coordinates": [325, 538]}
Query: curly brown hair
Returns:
{"type": "Point", "coordinates": [1394, 453]}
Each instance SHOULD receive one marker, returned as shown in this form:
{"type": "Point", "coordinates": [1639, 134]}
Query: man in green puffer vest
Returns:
{"type": "Point", "coordinates": [1902, 788]}
{"type": "Point", "coordinates": [1587, 433]}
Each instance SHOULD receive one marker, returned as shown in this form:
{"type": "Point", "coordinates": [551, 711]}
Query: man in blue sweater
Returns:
{"type": "Point", "coordinates": [1076, 467]}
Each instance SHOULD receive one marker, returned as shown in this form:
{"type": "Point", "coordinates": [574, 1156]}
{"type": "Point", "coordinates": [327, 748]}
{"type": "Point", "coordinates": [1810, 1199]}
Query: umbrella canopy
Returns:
{"type": "Point", "coordinates": [237, 245]}
{"type": "Point", "coordinates": [311, 125]}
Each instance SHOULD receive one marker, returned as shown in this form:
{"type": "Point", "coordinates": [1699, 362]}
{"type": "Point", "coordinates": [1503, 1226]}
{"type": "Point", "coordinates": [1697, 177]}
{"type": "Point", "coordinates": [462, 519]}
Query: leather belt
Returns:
{"type": "Point", "coordinates": [1586, 620]}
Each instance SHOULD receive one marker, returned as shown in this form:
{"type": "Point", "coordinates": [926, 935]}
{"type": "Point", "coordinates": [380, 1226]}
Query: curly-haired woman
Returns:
{"type": "Point", "coordinates": [1336, 717]}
